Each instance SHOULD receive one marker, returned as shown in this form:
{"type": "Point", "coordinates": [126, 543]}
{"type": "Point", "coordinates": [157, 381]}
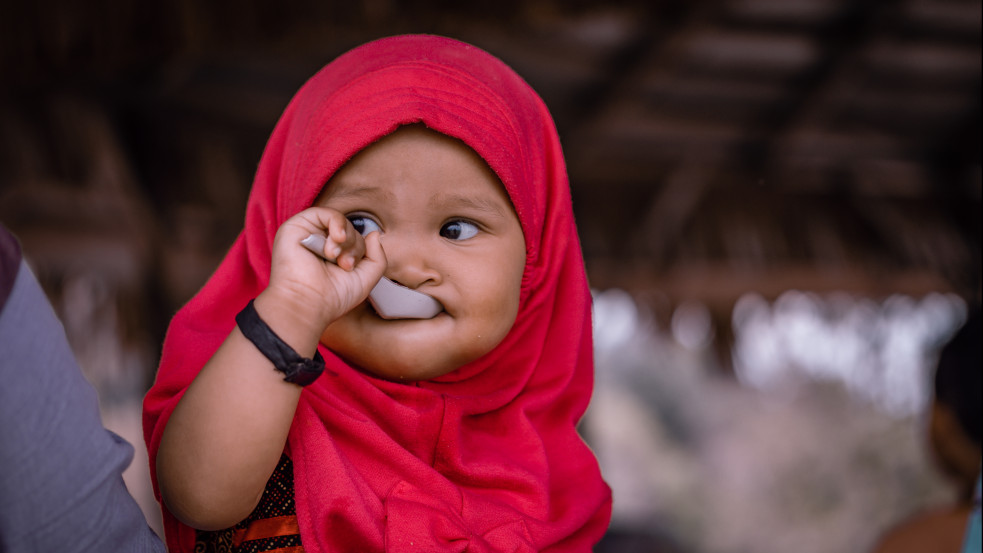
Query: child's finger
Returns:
{"type": "Point", "coordinates": [326, 224]}
{"type": "Point", "coordinates": [351, 247]}
{"type": "Point", "coordinates": [343, 245]}
{"type": "Point", "coordinates": [373, 249]}
{"type": "Point", "coordinates": [338, 233]}
{"type": "Point", "coordinates": [374, 260]}
{"type": "Point", "coordinates": [338, 237]}
{"type": "Point", "coordinates": [349, 257]}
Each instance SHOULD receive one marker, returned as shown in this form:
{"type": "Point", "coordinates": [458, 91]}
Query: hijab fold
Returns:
{"type": "Point", "coordinates": [486, 458]}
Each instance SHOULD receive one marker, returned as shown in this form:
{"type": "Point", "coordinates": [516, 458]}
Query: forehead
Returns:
{"type": "Point", "coordinates": [431, 162]}
{"type": "Point", "coordinates": [414, 147]}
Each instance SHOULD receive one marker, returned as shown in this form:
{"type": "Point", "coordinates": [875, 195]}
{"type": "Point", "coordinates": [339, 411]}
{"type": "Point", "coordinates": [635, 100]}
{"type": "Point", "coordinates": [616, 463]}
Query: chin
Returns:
{"type": "Point", "coordinates": [408, 375]}
{"type": "Point", "coordinates": [400, 371]}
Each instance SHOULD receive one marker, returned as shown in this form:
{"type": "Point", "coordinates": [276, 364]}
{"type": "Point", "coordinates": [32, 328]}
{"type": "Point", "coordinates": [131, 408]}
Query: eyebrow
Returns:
{"type": "Point", "coordinates": [460, 201]}
{"type": "Point", "coordinates": [344, 191]}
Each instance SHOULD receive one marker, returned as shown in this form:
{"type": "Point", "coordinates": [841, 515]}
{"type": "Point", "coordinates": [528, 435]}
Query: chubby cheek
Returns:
{"type": "Point", "coordinates": [491, 333]}
{"type": "Point", "coordinates": [498, 314]}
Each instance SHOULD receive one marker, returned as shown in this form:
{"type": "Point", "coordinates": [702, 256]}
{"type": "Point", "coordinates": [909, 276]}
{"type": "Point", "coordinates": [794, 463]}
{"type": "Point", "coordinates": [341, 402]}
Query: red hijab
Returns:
{"type": "Point", "coordinates": [486, 458]}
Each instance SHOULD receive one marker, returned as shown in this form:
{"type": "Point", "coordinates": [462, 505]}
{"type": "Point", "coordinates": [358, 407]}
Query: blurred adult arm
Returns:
{"type": "Point", "coordinates": [61, 484]}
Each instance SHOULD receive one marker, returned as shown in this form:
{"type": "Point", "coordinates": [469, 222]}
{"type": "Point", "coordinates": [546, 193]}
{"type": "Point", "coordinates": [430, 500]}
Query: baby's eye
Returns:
{"type": "Point", "coordinates": [458, 230]}
{"type": "Point", "coordinates": [364, 224]}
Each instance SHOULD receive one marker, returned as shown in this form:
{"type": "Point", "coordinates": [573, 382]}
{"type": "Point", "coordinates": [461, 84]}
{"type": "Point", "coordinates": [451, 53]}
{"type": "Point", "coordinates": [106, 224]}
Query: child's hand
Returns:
{"type": "Point", "coordinates": [324, 291]}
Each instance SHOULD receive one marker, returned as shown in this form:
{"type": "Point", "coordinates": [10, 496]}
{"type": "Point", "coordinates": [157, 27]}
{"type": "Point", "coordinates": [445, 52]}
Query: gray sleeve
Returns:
{"type": "Point", "coordinates": [61, 485]}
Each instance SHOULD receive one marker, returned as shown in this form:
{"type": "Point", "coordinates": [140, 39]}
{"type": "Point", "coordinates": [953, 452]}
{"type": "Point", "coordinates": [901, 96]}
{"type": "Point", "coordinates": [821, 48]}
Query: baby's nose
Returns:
{"type": "Point", "coordinates": [410, 262]}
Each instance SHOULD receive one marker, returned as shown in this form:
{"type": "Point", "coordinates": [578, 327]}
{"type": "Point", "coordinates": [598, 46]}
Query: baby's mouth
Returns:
{"type": "Point", "coordinates": [395, 301]}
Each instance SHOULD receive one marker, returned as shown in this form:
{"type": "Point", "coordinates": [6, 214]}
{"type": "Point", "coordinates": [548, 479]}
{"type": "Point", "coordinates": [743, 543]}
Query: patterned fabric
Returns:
{"type": "Point", "coordinates": [272, 526]}
{"type": "Point", "coordinates": [974, 537]}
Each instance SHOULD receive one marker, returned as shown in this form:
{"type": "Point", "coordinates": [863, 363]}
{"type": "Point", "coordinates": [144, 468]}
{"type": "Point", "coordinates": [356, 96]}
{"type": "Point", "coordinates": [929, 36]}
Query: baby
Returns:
{"type": "Point", "coordinates": [429, 162]}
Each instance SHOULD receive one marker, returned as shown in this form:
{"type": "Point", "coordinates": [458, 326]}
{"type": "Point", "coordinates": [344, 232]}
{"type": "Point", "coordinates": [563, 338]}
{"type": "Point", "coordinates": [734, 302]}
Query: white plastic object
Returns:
{"type": "Point", "coordinates": [389, 299]}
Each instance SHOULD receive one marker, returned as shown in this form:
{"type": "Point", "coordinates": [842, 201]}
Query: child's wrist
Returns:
{"type": "Point", "coordinates": [295, 320]}
{"type": "Point", "coordinates": [295, 368]}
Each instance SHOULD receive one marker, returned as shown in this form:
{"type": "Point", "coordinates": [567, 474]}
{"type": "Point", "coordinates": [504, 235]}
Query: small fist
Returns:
{"type": "Point", "coordinates": [340, 277]}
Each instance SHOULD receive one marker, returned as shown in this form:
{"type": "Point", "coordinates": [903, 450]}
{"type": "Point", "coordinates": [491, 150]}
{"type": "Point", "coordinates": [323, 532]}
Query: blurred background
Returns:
{"type": "Point", "coordinates": [779, 204]}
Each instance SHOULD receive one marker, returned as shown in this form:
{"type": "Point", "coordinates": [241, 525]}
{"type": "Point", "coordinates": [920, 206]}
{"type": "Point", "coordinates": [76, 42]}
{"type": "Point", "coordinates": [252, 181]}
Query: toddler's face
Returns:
{"type": "Point", "coordinates": [449, 230]}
